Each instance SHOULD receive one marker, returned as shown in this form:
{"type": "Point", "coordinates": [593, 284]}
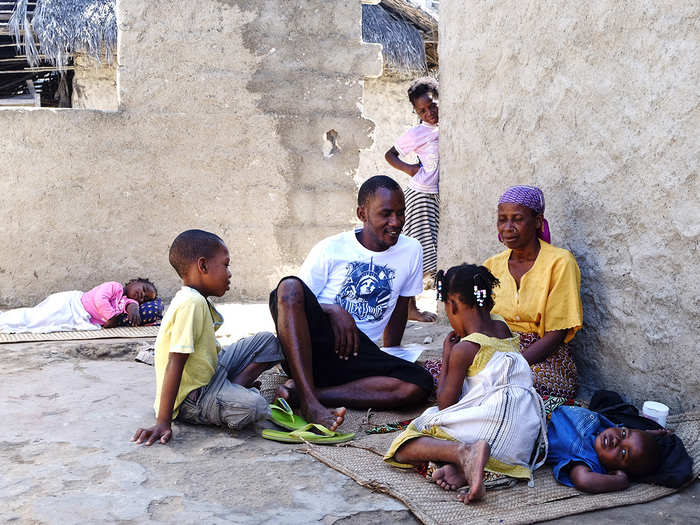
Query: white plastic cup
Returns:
{"type": "Point", "coordinates": [656, 411]}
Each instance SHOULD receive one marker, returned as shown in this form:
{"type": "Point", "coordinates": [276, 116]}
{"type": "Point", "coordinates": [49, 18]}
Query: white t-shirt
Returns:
{"type": "Point", "coordinates": [367, 284]}
{"type": "Point", "coordinates": [422, 139]}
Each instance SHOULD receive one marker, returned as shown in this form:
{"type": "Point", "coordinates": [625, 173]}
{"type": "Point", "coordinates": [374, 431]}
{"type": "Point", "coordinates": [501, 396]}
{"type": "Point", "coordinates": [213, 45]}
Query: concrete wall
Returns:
{"type": "Point", "coordinates": [596, 103]}
{"type": "Point", "coordinates": [385, 102]}
{"type": "Point", "coordinates": [223, 111]}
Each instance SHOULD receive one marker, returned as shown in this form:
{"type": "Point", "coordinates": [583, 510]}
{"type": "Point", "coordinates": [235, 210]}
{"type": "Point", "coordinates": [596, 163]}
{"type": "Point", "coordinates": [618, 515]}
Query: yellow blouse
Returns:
{"type": "Point", "coordinates": [549, 297]}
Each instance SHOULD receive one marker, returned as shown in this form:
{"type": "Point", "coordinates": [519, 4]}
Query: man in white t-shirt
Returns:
{"type": "Point", "coordinates": [352, 289]}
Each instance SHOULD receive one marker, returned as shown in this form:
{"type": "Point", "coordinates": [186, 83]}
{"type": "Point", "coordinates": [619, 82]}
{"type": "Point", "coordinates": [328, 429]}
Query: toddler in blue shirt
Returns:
{"type": "Point", "coordinates": [589, 452]}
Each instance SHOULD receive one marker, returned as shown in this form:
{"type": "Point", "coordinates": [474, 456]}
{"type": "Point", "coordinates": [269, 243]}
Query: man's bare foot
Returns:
{"type": "Point", "coordinates": [473, 459]}
{"type": "Point", "coordinates": [449, 477]}
{"type": "Point", "coordinates": [330, 418]}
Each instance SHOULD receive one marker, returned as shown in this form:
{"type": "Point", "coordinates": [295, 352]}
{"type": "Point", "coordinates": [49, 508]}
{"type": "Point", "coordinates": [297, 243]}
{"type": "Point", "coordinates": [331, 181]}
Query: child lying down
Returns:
{"type": "Point", "coordinates": [589, 452]}
{"type": "Point", "coordinates": [108, 305]}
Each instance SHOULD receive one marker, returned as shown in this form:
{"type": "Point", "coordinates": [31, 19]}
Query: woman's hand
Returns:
{"type": "Point", "coordinates": [544, 347]}
{"type": "Point", "coordinates": [132, 314]}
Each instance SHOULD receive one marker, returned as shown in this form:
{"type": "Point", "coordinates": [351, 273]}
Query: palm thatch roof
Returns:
{"type": "Point", "coordinates": [407, 33]}
{"type": "Point", "coordinates": [63, 27]}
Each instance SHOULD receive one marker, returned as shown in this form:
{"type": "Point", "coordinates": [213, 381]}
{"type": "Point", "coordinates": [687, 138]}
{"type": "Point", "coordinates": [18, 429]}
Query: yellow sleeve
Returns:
{"type": "Point", "coordinates": [186, 327]}
{"type": "Point", "coordinates": [564, 309]}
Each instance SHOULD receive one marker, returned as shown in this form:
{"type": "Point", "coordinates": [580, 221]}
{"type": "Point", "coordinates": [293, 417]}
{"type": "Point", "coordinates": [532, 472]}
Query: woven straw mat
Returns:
{"type": "Point", "coordinates": [361, 459]}
{"type": "Point", "coordinates": [103, 333]}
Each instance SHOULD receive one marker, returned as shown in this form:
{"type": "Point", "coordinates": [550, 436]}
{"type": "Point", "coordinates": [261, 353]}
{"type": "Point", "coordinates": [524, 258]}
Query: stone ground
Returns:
{"type": "Point", "coordinates": [69, 409]}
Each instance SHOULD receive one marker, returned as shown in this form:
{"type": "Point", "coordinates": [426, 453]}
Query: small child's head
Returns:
{"type": "Point", "coordinates": [466, 285]}
{"type": "Point", "coordinates": [201, 259]}
{"type": "Point", "coordinates": [423, 94]}
{"type": "Point", "coordinates": [635, 452]}
{"type": "Point", "coordinates": [140, 290]}
{"type": "Point", "coordinates": [472, 285]}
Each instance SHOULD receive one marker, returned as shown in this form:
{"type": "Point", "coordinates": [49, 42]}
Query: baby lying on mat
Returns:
{"type": "Point", "coordinates": [591, 453]}
{"type": "Point", "coordinates": [108, 305]}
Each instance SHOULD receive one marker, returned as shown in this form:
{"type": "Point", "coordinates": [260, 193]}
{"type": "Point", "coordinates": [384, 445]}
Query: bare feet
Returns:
{"type": "Point", "coordinates": [449, 477]}
{"type": "Point", "coordinates": [422, 317]}
{"type": "Point", "coordinates": [330, 418]}
{"type": "Point", "coordinates": [473, 459]}
{"type": "Point", "coordinates": [414, 314]}
{"type": "Point", "coordinates": [288, 392]}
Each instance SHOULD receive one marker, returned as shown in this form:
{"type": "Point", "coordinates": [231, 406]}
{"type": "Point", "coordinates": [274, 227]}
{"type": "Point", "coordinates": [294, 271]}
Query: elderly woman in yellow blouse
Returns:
{"type": "Point", "coordinates": [539, 296]}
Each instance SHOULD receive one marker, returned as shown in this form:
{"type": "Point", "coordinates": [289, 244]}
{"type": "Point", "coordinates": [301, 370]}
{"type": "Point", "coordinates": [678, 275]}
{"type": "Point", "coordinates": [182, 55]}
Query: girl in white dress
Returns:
{"type": "Point", "coordinates": [488, 415]}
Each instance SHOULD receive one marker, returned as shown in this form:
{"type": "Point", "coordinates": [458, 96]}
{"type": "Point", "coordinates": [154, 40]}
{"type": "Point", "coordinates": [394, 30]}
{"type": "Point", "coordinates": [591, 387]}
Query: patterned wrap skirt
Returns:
{"type": "Point", "coordinates": [423, 223]}
{"type": "Point", "coordinates": [556, 375]}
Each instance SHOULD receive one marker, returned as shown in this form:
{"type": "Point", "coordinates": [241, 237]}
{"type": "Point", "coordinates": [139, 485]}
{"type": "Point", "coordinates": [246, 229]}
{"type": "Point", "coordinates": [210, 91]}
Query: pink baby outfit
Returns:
{"type": "Point", "coordinates": [423, 140]}
{"type": "Point", "coordinates": [105, 301]}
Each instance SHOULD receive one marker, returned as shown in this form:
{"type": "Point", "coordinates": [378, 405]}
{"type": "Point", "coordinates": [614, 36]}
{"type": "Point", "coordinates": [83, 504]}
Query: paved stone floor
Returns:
{"type": "Point", "coordinates": [69, 409]}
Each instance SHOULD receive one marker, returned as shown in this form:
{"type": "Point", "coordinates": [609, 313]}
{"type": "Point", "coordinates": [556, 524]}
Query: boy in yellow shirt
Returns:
{"type": "Point", "coordinates": [197, 381]}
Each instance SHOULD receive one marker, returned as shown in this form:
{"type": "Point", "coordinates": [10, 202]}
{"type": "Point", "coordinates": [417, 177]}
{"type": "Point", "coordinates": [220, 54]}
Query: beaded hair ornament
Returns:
{"type": "Point", "coordinates": [440, 286]}
{"type": "Point", "coordinates": [479, 293]}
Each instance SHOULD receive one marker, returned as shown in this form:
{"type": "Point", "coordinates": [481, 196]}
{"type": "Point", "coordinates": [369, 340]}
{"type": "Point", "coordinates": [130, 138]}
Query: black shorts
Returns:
{"type": "Point", "coordinates": [330, 370]}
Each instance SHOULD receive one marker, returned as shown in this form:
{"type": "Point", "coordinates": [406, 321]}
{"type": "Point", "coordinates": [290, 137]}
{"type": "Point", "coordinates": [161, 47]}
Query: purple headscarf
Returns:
{"type": "Point", "coordinates": [530, 197]}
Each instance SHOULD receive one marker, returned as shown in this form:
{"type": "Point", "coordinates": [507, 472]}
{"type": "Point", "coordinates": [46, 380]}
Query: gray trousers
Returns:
{"type": "Point", "coordinates": [224, 403]}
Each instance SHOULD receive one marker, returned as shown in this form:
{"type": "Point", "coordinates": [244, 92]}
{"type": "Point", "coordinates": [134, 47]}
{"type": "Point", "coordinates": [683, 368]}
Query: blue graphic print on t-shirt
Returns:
{"type": "Point", "coordinates": [366, 291]}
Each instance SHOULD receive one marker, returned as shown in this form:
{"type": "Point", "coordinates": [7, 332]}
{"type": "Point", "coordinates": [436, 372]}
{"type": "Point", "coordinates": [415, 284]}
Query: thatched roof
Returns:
{"type": "Point", "coordinates": [63, 27]}
{"type": "Point", "coordinates": [407, 33]}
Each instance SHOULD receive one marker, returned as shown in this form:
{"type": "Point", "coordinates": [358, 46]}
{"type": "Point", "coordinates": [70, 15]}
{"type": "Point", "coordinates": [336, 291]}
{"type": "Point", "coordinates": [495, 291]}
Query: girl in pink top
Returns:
{"type": "Point", "coordinates": [66, 311]}
{"type": "Point", "coordinates": [422, 193]}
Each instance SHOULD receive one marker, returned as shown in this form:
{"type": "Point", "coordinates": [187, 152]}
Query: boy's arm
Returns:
{"type": "Point", "coordinates": [454, 369]}
{"type": "Point", "coordinates": [392, 157]}
{"type": "Point", "coordinates": [171, 384]}
{"type": "Point", "coordinates": [586, 480]}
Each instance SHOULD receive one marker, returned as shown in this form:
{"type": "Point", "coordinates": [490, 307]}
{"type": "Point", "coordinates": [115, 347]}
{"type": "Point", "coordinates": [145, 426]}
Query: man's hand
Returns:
{"type": "Point", "coordinates": [345, 333]}
{"type": "Point", "coordinates": [161, 431]}
{"type": "Point", "coordinates": [132, 313]}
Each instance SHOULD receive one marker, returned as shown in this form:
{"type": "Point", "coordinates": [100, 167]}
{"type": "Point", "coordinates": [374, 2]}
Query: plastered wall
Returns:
{"type": "Point", "coordinates": [94, 84]}
{"type": "Point", "coordinates": [596, 103]}
{"type": "Point", "coordinates": [386, 103]}
{"type": "Point", "coordinates": [221, 123]}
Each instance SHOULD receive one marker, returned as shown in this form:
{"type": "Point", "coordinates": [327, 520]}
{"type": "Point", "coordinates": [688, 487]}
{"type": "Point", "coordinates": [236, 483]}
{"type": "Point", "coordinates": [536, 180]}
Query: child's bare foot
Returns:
{"type": "Point", "coordinates": [449, 477]}
{"type": "Point", "coordinates": [414, 314]}
{"type": "Point", "coordinates": [288, 392]}
{"type": "Point", "coordinates": [473, 459]}
{"type": "Point", "coordinates": [422, 317]}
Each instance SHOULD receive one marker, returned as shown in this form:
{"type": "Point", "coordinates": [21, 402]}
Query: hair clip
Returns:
{"type": "Point", "coordinates": [480, 295]}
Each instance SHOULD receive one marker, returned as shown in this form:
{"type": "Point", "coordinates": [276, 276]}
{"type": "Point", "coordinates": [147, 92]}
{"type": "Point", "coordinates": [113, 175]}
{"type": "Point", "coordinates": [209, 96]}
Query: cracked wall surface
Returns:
{"type": "Point", "coordinates": [596, 103]}
{"type": "Point", "coordinates": [223, 112]}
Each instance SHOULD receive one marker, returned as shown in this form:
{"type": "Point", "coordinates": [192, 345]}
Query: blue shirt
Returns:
{"type": "Point", "coordinates": [571, 434]}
